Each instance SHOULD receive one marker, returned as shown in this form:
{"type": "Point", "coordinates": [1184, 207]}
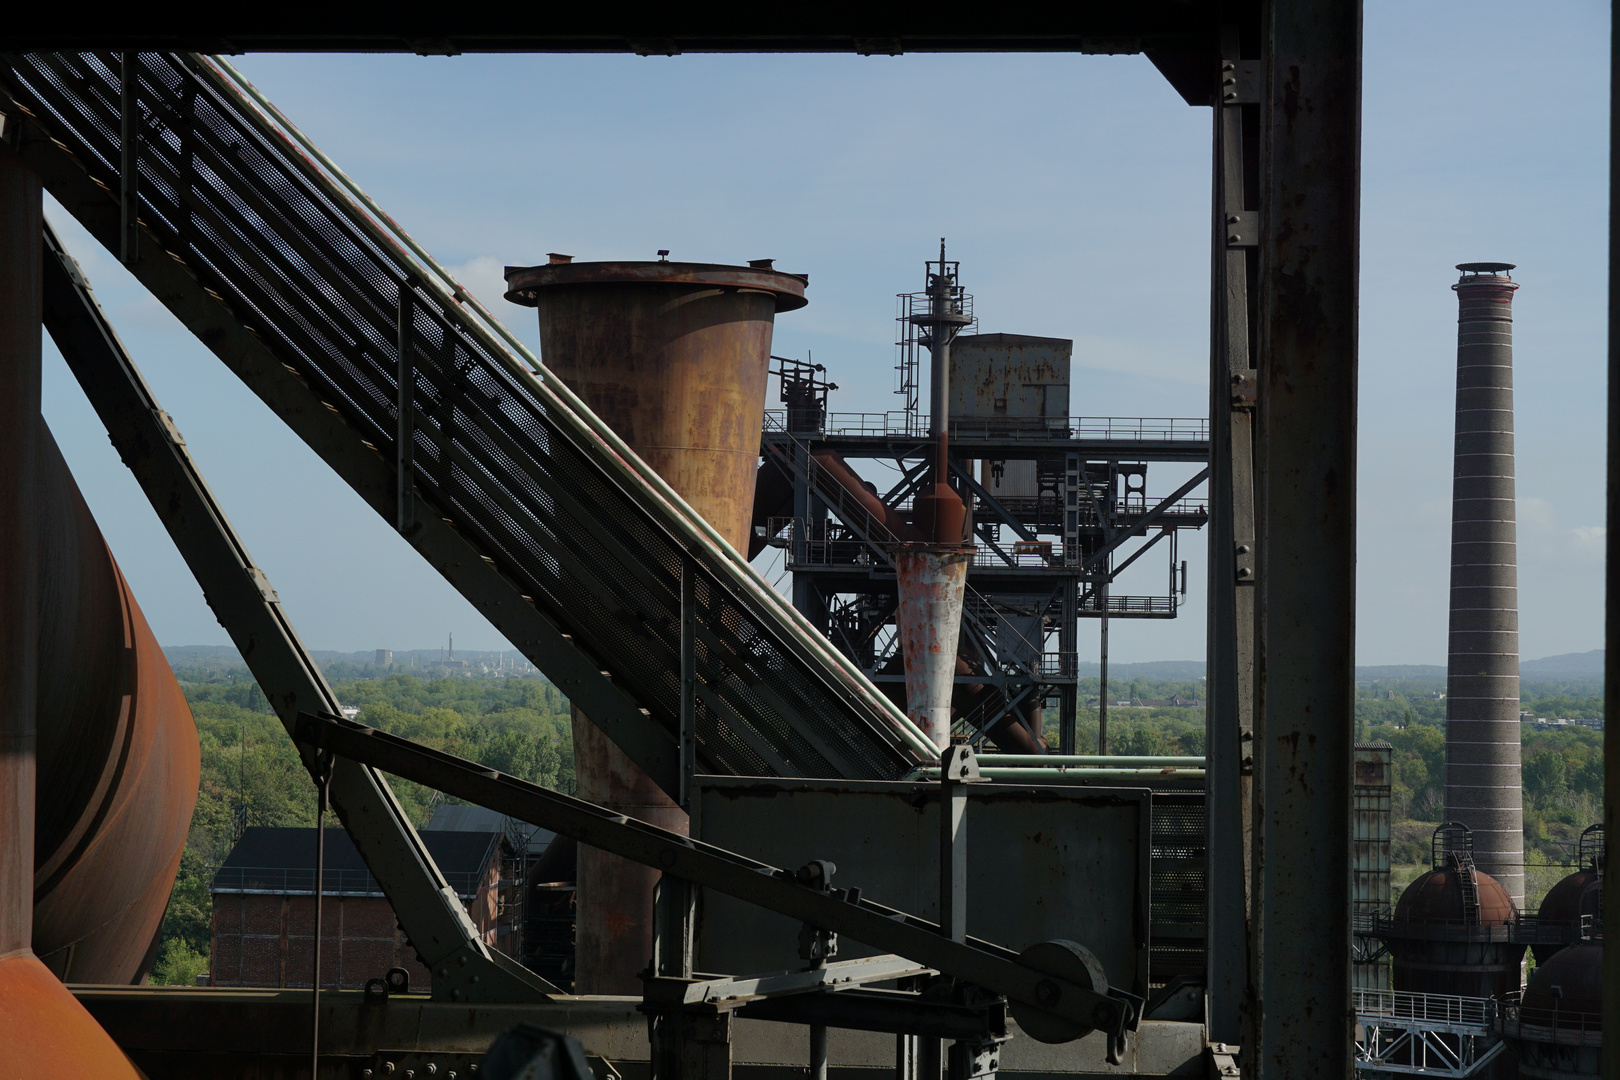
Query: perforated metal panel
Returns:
{"type": "Point", "coordinates": [500, 457]}
{"type": "Point", "coordinates": [1180, 884]}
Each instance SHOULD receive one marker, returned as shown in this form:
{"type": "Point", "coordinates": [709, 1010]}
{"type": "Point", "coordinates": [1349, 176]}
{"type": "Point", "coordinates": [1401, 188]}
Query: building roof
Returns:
{"type": "Point", "coordinates": [282, 862]}
{"type": "Point", "coordinates": [524, 838]}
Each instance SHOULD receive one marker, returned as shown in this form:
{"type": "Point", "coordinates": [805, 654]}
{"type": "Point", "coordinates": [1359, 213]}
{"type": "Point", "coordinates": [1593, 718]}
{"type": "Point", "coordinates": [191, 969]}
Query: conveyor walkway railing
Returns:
{"type": "Point", "coordinates": [527, 503]}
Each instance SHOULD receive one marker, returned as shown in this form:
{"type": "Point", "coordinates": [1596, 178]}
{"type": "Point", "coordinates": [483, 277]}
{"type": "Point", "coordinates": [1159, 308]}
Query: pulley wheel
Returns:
{"type": "Point", "coordinates": [1073, 962]}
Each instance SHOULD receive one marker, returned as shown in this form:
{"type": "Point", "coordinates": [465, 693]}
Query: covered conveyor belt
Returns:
{"type": "Point", "coordinates": [530, 506]}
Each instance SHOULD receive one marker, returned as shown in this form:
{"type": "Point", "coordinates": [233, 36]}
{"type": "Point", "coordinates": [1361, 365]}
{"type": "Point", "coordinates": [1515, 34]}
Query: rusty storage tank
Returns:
{"type": "Point", "coordinates": [1454, 929]}
{"type": "Point", "coordinates": [1574, 906]}
{"type": "Point", "coordinates": [675, 357]}
{"type": "Point", "coordinates": [1555, 1027]}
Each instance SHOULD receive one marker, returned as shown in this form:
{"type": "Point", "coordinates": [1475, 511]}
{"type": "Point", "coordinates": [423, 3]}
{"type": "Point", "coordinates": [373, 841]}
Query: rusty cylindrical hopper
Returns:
{"type": "Point", "coordinates": [44, 1031]}
{"type": "Point", "coordinates": [675, 358]}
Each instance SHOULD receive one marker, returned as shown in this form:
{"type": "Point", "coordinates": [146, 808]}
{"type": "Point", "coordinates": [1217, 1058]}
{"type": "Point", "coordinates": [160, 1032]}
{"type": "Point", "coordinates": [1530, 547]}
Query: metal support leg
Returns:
{"type": "Point", "coordinates": [20, 217]}
{"type": "Point", "coordinates": [688, 733]}
{"type": "Point", "coordinates": [905, 1057]}
{"type": "Point", "coordinates": [1310, 220]}
{"type": "Point", "coordinates": [1102, 656]}
{"type": "Point", "coordinates": [1229, 733]}
{"type": "Point", "coordinates": [818, 1052]}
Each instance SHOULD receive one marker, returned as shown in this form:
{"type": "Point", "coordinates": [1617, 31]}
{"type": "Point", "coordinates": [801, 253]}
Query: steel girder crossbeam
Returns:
{"type": "Point", "coordinates": [1429, 1051]}
{"type": "Point", "coordinates": [239, 593]}
{"type": "Point", "coordinates": [842, 911]}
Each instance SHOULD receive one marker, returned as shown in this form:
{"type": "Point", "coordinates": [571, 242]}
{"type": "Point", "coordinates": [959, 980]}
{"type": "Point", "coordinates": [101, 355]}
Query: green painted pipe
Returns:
{"type": "Point", "coordinates": [1075, 776]}
{"type": "Point", "coordinates": [1095, 761]}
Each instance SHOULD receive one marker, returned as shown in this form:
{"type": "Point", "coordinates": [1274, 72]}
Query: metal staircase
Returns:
{"type": "Point", "coordinates": [498, 475]}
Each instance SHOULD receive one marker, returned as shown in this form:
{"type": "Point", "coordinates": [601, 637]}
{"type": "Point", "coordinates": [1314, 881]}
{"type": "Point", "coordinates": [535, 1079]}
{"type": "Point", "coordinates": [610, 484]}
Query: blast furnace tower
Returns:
{"type": "Point", "coordinates": [1482, 685]}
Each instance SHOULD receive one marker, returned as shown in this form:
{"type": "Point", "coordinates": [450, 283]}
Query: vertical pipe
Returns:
{"type": "Point", "coordinates": [818, 1052]}
{"type": "Point", "coordinates": [21, 311]}
{"type": "Point", "coordinates": [1482, 681]}
{"type": "Point", "coordinates": [1102, 658]}
{"type": "Point", "coordinates": [1309, 222]}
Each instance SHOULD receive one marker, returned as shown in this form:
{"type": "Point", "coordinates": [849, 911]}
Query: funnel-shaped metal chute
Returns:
{"type": "Point", "coordinates": [675, 358]}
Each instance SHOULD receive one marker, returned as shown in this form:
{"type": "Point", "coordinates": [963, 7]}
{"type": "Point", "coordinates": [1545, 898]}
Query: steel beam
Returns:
{"type": "Point", "coordinates": [241, 597]}
{"type": "Point", "coordinates": [984, 964]}
{"type": "Point", "coordinates": [1309, 220]}
{"type": "Point", "coordinates": [1229, 715]}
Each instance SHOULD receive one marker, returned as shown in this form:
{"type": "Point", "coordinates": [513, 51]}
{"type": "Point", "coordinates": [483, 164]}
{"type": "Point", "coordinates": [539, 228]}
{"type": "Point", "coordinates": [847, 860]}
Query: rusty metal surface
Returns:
{"type": "Point", "coordinates": [118, 753]}
{"type": "Point", "coordinates": [614, 896]}
{"type": "Point", "coordinates": [45, 1032]}
{"type": "Point", "coordinates": [674, 357]}
{"type": "Point", "coordinates": [674, 364]}
{"type": "Point", "coordinates": [1310, 198]}
{"type": "Point", "coordinates": [20, 314]}
{"type": "Point", "coordinates": [525, 283]}
{"type": "Point", "coordinates": [929, 620]}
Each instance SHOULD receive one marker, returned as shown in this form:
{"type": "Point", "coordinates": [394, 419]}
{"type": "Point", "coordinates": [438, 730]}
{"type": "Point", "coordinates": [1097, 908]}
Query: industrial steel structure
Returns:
{"type": "Point", "coordinates": [1057, 505]}
{"type": "Point", "coordinates": [537, 510]}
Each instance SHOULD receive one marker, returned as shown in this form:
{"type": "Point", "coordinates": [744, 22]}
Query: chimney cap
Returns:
{"type": "Point", "coordinates": [1485, 267]}
{"type": "Point", "coordinates": [556, 259]}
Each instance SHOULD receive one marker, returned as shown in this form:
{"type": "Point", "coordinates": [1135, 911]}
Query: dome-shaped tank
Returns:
{"type": "Point", "coordinates": [1574, 905]}
{"type": "Point", "coordinates": [1556, 1025]}
{"type": "Point", "coordinates": [1452, 932]}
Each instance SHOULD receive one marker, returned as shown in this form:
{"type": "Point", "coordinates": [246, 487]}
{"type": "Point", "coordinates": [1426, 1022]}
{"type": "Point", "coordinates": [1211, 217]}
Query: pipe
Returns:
{"type": "Point", "coordinates": [1077, 776]}
{"type": "Point", "coordinates": [1061, 761]}
{"type": "Point", "coordinates": [1482, 679]}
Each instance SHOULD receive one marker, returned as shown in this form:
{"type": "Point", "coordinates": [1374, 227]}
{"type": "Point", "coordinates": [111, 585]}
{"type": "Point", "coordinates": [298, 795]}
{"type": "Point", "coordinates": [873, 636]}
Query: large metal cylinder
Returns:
{"type": "Point", "coordinates": [118, 754]}
{"type": "Point", "coordinates": [675, 358]}
{"type": "Point", "coordinates": [1482, 686]}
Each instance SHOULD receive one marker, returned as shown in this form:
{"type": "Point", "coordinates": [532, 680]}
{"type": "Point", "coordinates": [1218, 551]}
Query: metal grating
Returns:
{"type": "Point", "coordinates": [496, 452]}
{"type": "Point", "coordinates": [1177, 903]}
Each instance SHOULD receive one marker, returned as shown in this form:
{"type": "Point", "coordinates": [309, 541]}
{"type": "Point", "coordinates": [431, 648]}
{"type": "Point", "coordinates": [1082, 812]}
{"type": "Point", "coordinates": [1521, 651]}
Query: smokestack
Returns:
{"type": "Point", "coordinates": [1482, 679]}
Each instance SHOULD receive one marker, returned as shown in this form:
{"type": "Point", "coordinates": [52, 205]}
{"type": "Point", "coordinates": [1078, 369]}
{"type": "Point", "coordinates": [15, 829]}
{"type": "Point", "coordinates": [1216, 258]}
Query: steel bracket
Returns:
{"type": "Point", "coordinates": [1241, 81]}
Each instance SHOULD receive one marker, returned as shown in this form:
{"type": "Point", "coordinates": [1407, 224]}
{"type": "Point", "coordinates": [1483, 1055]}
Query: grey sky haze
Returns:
{"type": "Point", "coordinates": [1074, 189]}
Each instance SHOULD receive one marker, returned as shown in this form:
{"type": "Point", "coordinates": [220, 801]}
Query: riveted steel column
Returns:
{"type": "Point", "coordinates": [1229, 718]}
{"type": "Point", "coordinates": [1482, 679]}
{"type": "Point", "coordinates": [1309, 219]}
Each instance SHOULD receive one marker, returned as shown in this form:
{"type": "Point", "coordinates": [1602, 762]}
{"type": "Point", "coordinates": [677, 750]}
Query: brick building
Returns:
{"type": "Point", "coordinates": [264, 907]}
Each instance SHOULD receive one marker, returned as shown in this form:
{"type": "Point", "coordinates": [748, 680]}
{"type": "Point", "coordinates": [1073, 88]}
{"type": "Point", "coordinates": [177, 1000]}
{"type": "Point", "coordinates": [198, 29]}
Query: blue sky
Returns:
{"type": "Point", "coordinates": [1074, 189]}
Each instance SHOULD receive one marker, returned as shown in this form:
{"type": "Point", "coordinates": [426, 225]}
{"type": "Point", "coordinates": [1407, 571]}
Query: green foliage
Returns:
{"type": "Point", "coordinates": [251, 774]}
{"type": "Point", "coordinates": [178, 964]}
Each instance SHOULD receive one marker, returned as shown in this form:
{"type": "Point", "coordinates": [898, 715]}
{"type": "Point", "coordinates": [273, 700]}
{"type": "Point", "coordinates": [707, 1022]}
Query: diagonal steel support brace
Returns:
{"type": "Point", "coordinates": [1140, 526]}
{"type": "Point", "coordinates": [845, 912]}
{"type": "Point", "coordinates": [463, 968]}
